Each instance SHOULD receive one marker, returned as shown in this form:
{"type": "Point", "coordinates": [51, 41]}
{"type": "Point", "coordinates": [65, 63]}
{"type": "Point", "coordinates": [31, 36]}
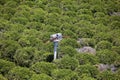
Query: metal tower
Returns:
{"type": "Point", "coordinates": [56, 38]}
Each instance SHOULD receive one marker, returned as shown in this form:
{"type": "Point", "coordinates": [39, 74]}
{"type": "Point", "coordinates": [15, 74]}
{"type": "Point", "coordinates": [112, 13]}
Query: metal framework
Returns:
{"type": "Point", "coordinates": [56, 38]}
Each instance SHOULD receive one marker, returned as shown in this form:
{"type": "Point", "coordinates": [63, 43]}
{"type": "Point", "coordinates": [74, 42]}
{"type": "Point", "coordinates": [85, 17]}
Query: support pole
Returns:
{"type": "Point", "coordinates": [55, 50]}
{"type": "Point", "coordinates": [56, 38]}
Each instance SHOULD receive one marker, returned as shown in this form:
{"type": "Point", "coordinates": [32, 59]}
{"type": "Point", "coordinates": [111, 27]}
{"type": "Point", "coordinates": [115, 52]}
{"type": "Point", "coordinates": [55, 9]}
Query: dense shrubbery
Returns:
{"type": "Point", "coordinates": [88, 70]}
{"type": "Point", "coordinates": [106, 75]}
{"type": "Point", "coordinates": [27, 54]}
{"type": "Point", "coordinates": [43, 67]}
{"type": "Point", "coordinates": [87, 59]}
{"type": "Point", "coordinates": [60, 74]}
{"type": "Point", "coordinates": [103, 45]}
{"type": "Point", "coordinates": [2, 78]}
{"type": "Point", "coordinates": [107, 56]}
{"type": "Point", "coordinates": [67, 50]}
{"type": "Point", "coordinates": [5, 66]}
{"type": "Point", "coordinates": [40, 77]}
{"type": "Point", "coordinates": [67, 63]}
{"type": "Point", "coordinates": [19, 73]}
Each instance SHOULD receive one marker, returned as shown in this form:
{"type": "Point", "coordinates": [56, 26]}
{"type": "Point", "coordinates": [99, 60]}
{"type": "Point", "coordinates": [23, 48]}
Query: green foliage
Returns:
{"type": "Point", "coordinates": [8, 48]}
{"type": "Point", "coordinates": [42, 56]}
{"type": "Point", "coordinates": [86, 77]}
{"type": "Point", "coordinates": [99, 14]}
{"type": "Point", "coordinates": [100, 29]}
{"type": "Point", "coordinates": [84, 5]}
{"type": "Point", "coordinates": [7, 12]}
{"type": "Point", "coordinates": [102, 36]}
{"type": "Point", "coordinates": [103, 45]}
{"type": "Point", "coordinates": [115, 18]}
{"type": "Point", "coordinates": [26, 26]}
{"type": "Point", "coordinates": [67, 63]}
{"type": "Point", "coordinates": [85, 29]}
{"type": "Point", "coordinates": [4, 25]}
{"type": "Point", "coordinates": [115, 34]}
{"type": "Point", "coordinates": [30, 3]}
{"type": "Point", "coordinates": [23, 14]}
{"type": "Point", "coordinates": [38, 15]}
{"type": "Point", "coordinates": [87, 69]}
{"type": "Point", "coordinates": [85, 11]}
{"type": "Point", "coordinates": [96, 8]}
{"type": "Point", "coordinates": [5, 66]}
{"type": "Point", "coordinates": [87, 59]}
{"type": "Point", "coordinates": [41, 3]}
{"type": "Point", "coordinates": [17, 28]}
{"type": "Point", "coordinates": [24, 56]}
{"type": "Point", "coordinates": [24, 42]}
{"type": "Point", "coordinates": [52, 29]}
{"type": "Point", "coordinates": [43, 67]}
{"type": "Point", "coordinates": [30, 38]}
{"type": "Point", "coordinates": [107, 56]}
{"type": "Point", "coordinates": [68, 42]}
{"type": "Point", "coordinates": [70, 34]}
{"type": "Point", "coordinates": [45, 36]}
{"type": "Point", "coordinates": [20, 20]}
{"type": "Point", "coordinates": [64, 74]}
{"type": "Point", "coordinates": [40, 77]}
{"type": "Point", "coordinates": [117, 62]}
{"type": "Point", "coordinates": [116, 48]}
{"type": "Point", "coordinates": [118, 73]}
{"type": "Point", "coordinates": [111, 7]}
{"type": "Point", "coordinates": [48, 47]}
{"type": "Point", "coordinates": [107, 75]}
{"type": "Point", "coordinates": [52, 19]}
{"type": "Point", "coordinates": [12, 35]}
{"type": "Point", "coordinates": [23, 8]}
{"type": "Point", "coordinates": [2, 78]}
{"type": "Point", "coordinates": [86, 42]}
{"type": "Point", "coordinates": [34, 25]}
{"type": "Point", "coordinates": [116, 42]}
{"type": "Point", "coordinates": [85, 17]}
{"type": "Point", "coordinates": [20, 73]}
{"type": "Point", "coordinates": [67, 50]}
{"type": "Point", "coordinates": [115, 25]}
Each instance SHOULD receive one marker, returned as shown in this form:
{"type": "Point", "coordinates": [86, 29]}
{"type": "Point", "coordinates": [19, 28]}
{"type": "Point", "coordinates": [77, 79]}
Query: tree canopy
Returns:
{"type": "Point", "coordinates": [26, 52]}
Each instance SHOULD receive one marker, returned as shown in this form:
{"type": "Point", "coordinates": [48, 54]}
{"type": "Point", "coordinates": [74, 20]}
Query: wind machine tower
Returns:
{"type": "Point", "coordinates": [56, 38]}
